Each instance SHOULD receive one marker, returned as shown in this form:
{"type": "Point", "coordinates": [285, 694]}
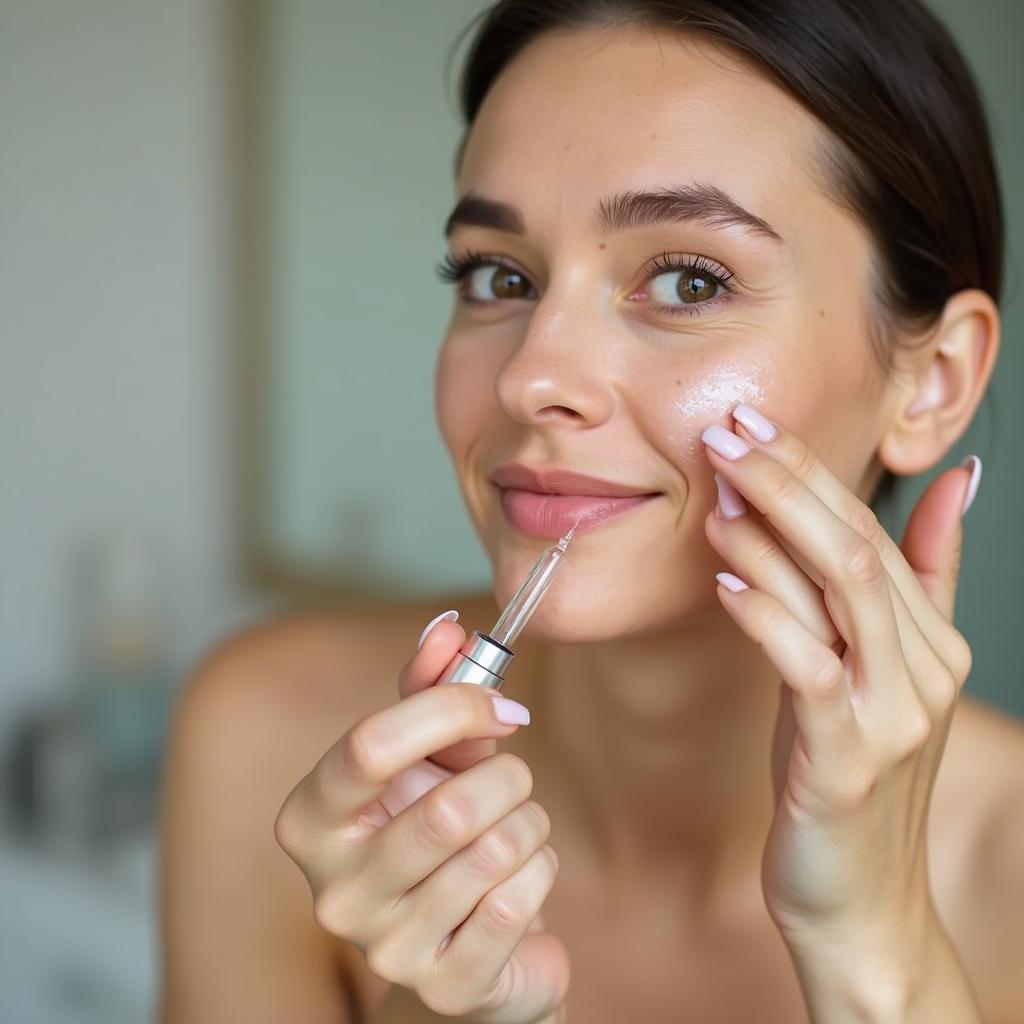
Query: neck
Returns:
{"type": "Point", "coordinates": [655, 752]}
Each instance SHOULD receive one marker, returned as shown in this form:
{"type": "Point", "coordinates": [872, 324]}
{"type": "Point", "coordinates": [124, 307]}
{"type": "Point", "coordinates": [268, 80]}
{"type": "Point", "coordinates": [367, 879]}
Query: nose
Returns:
{"type": "Point", "coordinates": [558, 374]}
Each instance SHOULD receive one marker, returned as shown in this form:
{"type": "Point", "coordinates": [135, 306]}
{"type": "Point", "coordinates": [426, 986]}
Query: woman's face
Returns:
{"type": "Point", "coordinates": [602, 337]}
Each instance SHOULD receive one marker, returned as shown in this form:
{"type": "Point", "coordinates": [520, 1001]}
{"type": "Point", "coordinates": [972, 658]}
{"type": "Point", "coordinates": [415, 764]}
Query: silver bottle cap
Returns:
{"type": "Point", "coordinates": [479, 660]}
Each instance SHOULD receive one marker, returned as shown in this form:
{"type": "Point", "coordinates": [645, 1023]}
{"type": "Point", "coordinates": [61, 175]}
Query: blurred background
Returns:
{"type": "Point", "coordinates": [218, 227]}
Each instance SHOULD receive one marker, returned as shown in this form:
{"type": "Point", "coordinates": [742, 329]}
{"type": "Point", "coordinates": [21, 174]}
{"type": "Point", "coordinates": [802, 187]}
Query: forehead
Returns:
{"type": "Point", "coordinates": [581, 113]}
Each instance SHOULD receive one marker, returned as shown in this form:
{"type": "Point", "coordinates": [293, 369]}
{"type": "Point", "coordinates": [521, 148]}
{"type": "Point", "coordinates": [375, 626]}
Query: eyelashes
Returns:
{"type": "Point", "coordinates": [456, 269]}
{"type": "Point", "coordinates": [453, 269]}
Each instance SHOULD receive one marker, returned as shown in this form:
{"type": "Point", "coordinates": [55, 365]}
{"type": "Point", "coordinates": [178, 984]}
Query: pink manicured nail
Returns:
{"type": "Point", "coordinates": [449, 616]}
{"type": "Point", "coordinates": [511, 712]}
{"type": "Point", "coordinates": [733, 583]}
{"type": "Point", "coordinates": [725, 442]}
{"type": "Point", "coordinates": [973, 463]}
{"type": "Point", "coordinates": [730, 502]}
{"type": "Point", "coordinates": [760, 426]}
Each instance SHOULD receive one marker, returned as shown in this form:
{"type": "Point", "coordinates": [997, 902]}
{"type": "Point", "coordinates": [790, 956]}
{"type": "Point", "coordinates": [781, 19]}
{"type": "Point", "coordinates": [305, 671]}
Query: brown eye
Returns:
{"type": "Point", "coordinates": [687, 286]}
{"type": "Point", "coordinates": [509, 284]}
{"type": "Point", "coordinates": [695, 287]}
{"type": "Point", "coordinates": [498, 282]}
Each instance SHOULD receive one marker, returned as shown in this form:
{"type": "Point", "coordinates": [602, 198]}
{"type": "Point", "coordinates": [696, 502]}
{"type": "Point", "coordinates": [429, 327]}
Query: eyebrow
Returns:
{"type": "Point", "coordinates": [627, 210]}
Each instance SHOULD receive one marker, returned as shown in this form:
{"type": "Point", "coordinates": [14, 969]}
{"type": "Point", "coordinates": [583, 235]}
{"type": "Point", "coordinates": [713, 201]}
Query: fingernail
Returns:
{"type": "Point", "coordinates": [449, 616]}
{"type": "Point", "coordinates": [760, 426]}
{"type": "Point", "coordinates": [730, 501]}
{"type": "Point", "coordinates": [733, 583]}
{"type": "Point", "coordinates": [511, 712]}
{"type": "Point", "coordinates": [973, 463]}
{"type": "Point", "coordinates": [725, 442]}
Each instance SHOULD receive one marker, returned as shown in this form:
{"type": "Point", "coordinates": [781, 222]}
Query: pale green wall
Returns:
{"type": "Point", "coordinates": [362, 136]}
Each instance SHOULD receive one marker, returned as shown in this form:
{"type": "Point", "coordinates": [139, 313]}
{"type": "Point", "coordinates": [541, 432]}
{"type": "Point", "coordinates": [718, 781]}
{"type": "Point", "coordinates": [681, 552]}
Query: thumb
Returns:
{"type": "Point", "coordinates": [439, 645]}
{"type": "Point", "coordinates": [933, 539]}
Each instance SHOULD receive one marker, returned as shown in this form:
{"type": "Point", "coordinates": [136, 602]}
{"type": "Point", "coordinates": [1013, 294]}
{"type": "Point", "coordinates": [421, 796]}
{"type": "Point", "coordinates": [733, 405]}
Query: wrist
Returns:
{"type": "Point", "coordinates": [849, 986]}
{"type": "Point", "coordinates": [865, 974]}
{"type": "Point", "coordinates": [883, 974]}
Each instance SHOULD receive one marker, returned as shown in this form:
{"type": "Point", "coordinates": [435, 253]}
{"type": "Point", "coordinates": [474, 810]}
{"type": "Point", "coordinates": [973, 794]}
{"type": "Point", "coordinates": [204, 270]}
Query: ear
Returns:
{"type": "Point", "coordinates": [944, 385]}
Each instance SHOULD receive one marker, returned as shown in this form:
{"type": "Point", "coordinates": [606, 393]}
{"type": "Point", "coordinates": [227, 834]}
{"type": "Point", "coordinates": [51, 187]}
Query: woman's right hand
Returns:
{"type": "Point", "coordinates": [444, 897]}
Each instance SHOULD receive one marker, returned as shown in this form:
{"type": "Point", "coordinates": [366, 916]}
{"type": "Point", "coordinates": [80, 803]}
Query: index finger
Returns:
{"type": "Point", "coordinates": [798, 458]}
{"type": "Point", "coordinates": [358, 767]}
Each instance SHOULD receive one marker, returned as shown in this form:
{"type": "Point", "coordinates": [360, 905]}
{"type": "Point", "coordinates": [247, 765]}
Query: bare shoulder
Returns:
{"type": "Point", "coordinates": [979, 807]}
{"type": "Point", "coordinates": [254, 718]}
{"type": "Point", "coordinates": [305, 678]}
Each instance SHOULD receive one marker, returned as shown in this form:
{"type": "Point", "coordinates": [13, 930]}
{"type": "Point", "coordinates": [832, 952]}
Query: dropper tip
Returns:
{"type": "Point", "coordinates": [564, 542]}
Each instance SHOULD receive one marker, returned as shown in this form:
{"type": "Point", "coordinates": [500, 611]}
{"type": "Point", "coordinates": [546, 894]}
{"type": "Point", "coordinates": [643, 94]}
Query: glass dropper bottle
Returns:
{"type": "Point", "coordinates": [483, 658]}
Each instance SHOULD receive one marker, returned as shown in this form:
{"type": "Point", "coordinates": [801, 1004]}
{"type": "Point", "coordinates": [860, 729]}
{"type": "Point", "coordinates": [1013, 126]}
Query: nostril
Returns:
{"type": "Point", "coordinates": [560, 410]}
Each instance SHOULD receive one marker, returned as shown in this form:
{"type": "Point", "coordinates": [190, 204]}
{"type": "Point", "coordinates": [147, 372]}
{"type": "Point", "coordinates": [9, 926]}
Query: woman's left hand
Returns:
{"type": "Point", "coordinates": [860, 631]}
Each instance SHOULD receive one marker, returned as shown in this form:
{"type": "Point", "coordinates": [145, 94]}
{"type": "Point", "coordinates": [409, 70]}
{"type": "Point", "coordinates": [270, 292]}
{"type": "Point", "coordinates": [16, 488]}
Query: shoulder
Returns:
{"type": "Point", "coordinates": [290, 687]}
{"type": "Point", "coordinates": [984, 799]}
{"type": "Point", "coordinates": [255, 716]}
{"type": "Point", "coordinates": [301, 665]}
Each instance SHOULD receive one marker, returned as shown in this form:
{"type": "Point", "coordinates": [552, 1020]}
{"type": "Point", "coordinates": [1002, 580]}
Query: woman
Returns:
{"type": "Point", "coordinates": [743, 260]}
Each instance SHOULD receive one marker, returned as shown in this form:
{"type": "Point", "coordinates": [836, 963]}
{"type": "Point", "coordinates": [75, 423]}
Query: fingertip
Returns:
{"type": "Point", "coordinates": [428, 662]}
{"type": "Point", "coordinates": [451, 615]}
{"type": "Point", "coordinates": [973, 464]}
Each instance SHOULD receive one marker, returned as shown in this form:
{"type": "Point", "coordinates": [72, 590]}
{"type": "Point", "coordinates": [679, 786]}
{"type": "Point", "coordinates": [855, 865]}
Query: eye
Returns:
{"type": "Point", "coordinates": [688, 286]}
{"type": "Point", "coordinates": [686, 280]}
{"type": "Point", "coordinates": [498, 282]}
{"type": "Point", "coordinates": [485, 278]}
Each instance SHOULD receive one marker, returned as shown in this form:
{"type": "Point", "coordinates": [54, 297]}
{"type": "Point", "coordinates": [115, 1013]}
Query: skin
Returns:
{"type": "Point", "coordinates": [645, 686]}
{"type": "Point", "coordinates": [660, 736]}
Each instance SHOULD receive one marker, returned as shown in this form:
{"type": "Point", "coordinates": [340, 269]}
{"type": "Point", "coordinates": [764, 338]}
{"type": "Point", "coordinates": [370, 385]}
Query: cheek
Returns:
{"type": "Point", "coordinates": [710, 396]}
{"type": "Point", "coordinates": [693, 397]}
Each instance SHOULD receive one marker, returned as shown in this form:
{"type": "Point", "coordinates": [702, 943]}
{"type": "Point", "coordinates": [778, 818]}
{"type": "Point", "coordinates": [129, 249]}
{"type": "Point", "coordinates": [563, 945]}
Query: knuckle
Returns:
{"type": "Point", "coordinates": [503, 909]}
{"type": "Point", "coordinates": [549, 852]}
{"type": "Point", "coordinates": [358, 755]}
{"type": "Point", "coordinates": [828, 679]}
{"type": "Point", "coordinates": [541, 818]}
{"type": "Point", "coordinates": [945, 689]}
{"type": "Point", "coordinates": [288, 829]}
{"type": "Point", "coordinates": [766, 552]}
{"type": "Point", "coordinates": [802, 461]}
{"type": "Point", "coordinates": [917, 731]}
{"type": "Point", "coordinates": [518, 773]}
{"type": "Point", "coordinates": [860, 562]}
{"type": "Point", "coordinates": [961, 657]}
{"type": "Point", "coordinates": [332, 911]}
{"type": "Point", "coordinates": [865, 522]}
{"type": "Point", "coordinates": [492, 853]}
{"type": "Point", "coordinates": [773, 617]}
{"type": "Point", "coordinates": [466, 705]}
{"type": "Point", "coordinates": [782, 484]}
{"type": "Point", "coordinates": [446, 816]}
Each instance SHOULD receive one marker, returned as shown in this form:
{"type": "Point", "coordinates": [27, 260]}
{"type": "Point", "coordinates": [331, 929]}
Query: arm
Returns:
{"type": "Point", "coordinates": [983, 983]}
{"type": "Point", "coordinates": [872, 667]}
{"type": "Point", "coordinates": [238, 938]}
{"type": "Point", "coordinates": [916, 981]}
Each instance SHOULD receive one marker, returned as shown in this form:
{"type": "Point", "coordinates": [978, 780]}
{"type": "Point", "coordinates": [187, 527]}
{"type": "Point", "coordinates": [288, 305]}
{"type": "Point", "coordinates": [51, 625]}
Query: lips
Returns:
{"type": "Point", "coordinates": [548, 503]}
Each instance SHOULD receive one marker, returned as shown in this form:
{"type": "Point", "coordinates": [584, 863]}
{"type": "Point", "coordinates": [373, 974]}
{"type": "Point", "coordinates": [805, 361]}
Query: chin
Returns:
{"type": "Point", "coordinates": [584, 606]}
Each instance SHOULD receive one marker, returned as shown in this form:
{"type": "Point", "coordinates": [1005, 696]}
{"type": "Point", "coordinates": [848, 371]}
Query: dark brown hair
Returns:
{"type": "Point", "coordinates": [912, 153]}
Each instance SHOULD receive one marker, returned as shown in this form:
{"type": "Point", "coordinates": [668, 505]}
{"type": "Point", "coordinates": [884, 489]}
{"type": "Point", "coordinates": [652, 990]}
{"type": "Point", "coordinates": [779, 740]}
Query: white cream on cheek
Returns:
{"type": "Point", "coordinates": [711, 400]}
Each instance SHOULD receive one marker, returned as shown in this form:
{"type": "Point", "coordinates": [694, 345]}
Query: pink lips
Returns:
{"type": "Point", "coordinates": [547, 503]}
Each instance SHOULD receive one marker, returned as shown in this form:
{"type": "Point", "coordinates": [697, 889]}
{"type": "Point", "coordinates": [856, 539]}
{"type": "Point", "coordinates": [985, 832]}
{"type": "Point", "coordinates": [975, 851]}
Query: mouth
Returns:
{"type": "Point", "coordinates": [548, 503]}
